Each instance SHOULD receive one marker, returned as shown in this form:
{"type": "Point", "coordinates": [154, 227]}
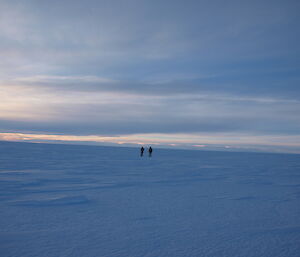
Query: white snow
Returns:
{"type": "Point", "coordinates": [86, 201]}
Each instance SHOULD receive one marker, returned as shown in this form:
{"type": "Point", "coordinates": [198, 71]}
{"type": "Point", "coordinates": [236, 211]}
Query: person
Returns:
{"type": "Point", "coordinates": [150, 151]}
{"type": "Point", "coordinates": [142, 151]}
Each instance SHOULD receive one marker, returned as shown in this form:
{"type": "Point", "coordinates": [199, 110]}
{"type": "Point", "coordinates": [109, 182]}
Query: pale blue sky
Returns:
{"type": "Point", "coordinates": [121, 68]}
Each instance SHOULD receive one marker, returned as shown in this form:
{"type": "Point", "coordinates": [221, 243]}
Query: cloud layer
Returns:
{"type": "Point", "coordinates": [136, 67]}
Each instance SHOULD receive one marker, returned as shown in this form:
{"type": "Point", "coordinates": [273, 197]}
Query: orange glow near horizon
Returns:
{"type": "Point", "coordinates": [173, 140]}
{"type": "Point", "coordinates": [73, 138]}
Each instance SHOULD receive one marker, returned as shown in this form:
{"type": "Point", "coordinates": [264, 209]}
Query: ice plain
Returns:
{"type": "Point", "coordinates": [71, 200]}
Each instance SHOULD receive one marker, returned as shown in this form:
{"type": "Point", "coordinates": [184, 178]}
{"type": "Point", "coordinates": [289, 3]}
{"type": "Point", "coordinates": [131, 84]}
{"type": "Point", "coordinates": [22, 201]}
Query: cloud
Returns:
{"type": "Point", "coordinates": [47, 109]}
{"type": "Point", "coordinates": [126, 67]}
{"type": "Point", "coordinates": [270, 88]}
{"type": "Point", "coordinates": [143, 38]}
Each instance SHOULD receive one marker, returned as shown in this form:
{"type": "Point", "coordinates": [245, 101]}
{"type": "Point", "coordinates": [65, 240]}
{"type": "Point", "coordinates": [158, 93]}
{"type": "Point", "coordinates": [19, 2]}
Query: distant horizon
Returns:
{"type": "Point", "coordinates": [210, 148]}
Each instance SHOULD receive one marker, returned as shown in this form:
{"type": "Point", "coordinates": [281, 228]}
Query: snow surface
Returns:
{"type": "Point", "coordinates": [68, 200]}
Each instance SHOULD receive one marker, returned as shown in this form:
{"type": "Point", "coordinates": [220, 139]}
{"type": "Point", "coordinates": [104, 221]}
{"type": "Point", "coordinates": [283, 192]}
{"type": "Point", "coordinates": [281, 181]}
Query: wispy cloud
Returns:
{"type": "Point", "coordinates": [109, 110]}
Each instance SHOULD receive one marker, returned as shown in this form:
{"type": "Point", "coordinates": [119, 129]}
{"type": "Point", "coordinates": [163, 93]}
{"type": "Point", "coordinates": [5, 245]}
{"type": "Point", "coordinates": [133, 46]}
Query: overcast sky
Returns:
{"type": "Point", "coordinates": [170, 72]}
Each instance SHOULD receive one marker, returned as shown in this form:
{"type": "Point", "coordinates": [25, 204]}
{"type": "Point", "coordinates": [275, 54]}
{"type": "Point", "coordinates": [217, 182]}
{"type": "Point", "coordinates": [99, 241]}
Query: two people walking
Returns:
{"type": "Point", "coordinates": [149, 150]}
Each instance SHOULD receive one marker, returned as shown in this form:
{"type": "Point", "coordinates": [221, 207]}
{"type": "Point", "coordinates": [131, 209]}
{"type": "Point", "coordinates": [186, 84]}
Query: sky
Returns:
{"type": "Point", "coordinates": [183, 74]}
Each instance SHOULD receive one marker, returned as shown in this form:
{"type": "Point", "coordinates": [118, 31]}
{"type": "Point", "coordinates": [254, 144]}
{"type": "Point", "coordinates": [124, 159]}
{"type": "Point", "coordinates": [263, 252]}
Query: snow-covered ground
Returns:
{"type": "Point", "coordinates": [68, 200]}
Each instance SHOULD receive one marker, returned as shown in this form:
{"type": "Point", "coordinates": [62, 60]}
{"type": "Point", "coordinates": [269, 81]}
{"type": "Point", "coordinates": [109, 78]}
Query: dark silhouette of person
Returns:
{"type": "Point", "coordinates": [142, 151]}
{"type": "Point", "coordinates": [150, 151]}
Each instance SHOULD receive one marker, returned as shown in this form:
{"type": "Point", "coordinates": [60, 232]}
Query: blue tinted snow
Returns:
{"type": "Point", "coordinates": [69, 200]}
